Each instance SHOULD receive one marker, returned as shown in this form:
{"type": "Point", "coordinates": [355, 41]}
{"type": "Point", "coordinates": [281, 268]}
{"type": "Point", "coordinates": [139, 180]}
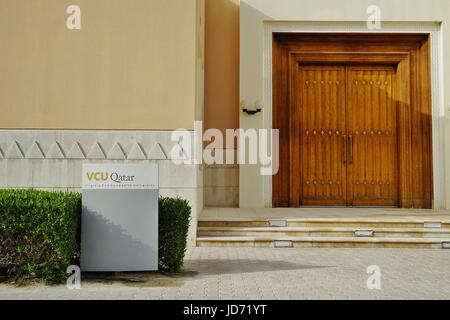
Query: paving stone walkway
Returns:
{"type": "Point", "coordinates": [265, 273]}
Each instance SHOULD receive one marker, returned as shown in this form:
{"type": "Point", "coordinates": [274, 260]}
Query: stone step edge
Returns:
{"type": "Point", "coordinates": [324, 220]}
{"type": "Point", "coordinates": [316, 223]}
{"type": "Point", "coordinates": [324, 239]}
{"type": "Point", "coordinates": [321, 229]}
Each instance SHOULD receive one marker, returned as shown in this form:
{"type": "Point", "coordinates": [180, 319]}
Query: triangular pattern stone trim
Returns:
{"type": "Point", "coordinates": [116, 152]}
{"type": "Point", "coordinates": [55, 151]}
{"type": "Point", "coordinates": [157, 153]}
{"type": "Point", "coordinates": [14, 151]}
{"type": "Point", "coordinates": [137, 152]}
{"type": "Point", "coordinates": [35, 151]}
{"type": "Point", "coordinates": [96, 152]}
{"type": "Point", "coordinates": [76, 152]}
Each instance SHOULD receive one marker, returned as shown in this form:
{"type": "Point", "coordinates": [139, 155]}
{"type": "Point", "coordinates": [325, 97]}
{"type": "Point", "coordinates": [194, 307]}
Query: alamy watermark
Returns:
{"type": "Point", "coordinates": [73, 22]}
{"type": "Point", "coordinates": [374, 18]}
{"type": "Point", "coordinates": [374, 280]}
{"type": "Point", "coordinates": [253, 146]}
{"type": "Point", "coordinates": [74, 278]}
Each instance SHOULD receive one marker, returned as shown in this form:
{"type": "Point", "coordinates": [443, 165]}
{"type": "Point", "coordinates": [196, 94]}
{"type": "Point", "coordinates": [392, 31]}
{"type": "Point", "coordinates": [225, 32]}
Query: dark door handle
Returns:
{"type": "Point", "coordinates": [345, 151]}
{"type": "Point", "coordinates": [350, 149]}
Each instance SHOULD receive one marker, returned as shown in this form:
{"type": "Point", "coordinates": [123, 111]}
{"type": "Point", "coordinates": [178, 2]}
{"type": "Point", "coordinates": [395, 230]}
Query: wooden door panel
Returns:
{"type": "Point", "coordinates": [322, 126]}
{"type": "Point", "coordinates": [373, 165]}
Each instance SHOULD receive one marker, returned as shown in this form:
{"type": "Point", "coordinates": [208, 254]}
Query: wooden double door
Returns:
{"type": "Point", "coordinates": [354, 118]}
{"type": "Point", "coordinates": [348, 135]}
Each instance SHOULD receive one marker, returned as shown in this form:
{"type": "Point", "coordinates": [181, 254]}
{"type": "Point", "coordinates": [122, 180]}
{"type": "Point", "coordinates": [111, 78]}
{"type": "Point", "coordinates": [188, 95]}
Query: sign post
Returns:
{"type": "Point", "coordinates": [119, 225]}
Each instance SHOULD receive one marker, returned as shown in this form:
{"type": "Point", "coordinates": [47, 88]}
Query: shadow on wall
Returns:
{"type": "Point", "coordinates": [222, 64]}
{"type": "Point", "coordinates": [116, 248]}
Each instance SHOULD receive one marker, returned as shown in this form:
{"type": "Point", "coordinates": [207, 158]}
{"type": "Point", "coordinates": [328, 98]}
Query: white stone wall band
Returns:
{"type": "Point", "coordinates": [52, 160]}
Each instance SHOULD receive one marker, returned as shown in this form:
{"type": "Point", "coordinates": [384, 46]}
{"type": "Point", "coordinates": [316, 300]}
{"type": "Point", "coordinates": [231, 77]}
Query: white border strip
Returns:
{"type": "Point", "coordinates": [437, 81]}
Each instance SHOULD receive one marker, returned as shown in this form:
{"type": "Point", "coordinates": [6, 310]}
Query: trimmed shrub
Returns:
{"type": "Point", "coordinates": [174, 218]}
{"type": "Point", "coordinates": [38, 233]}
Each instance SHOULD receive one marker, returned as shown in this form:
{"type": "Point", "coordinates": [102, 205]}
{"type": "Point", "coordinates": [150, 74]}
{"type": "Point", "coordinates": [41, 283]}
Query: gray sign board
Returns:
{"type": "Point", "coordinates": [119, 226]}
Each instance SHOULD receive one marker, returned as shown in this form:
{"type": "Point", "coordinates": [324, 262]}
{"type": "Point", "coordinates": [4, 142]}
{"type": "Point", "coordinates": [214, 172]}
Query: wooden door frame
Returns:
{"type": "Point", "coordinates": [409, 53]}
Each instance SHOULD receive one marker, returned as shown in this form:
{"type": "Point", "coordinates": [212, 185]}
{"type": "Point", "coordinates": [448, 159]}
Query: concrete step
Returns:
{"type": "Point", "coordinates": [324, 242]}
{"type": "Point", "coordinates": [328, 222]}
{"type": "Point", "coordinates": [347, 232]}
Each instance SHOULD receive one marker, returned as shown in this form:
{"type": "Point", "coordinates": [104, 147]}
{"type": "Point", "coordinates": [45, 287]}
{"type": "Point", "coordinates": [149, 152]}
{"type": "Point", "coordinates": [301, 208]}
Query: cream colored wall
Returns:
{"type": "Point", "coordinates": [221, 182]}
{"type": "Point", "coordinates": [200, 61]}
{"type": "Point", "coordinates": [222, 64]}
{"type": "Point", "coordinates": [132, 66]}
{"type": "Point", "coordinates": [255, 12]}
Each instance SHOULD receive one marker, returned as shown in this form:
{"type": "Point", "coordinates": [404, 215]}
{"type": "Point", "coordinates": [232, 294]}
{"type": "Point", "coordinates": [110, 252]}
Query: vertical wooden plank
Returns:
{"type": "Point", "coordinates": [323, 124]}
{"type": "Point", "coordinates": [295, 135]}
{"type": "Point", "coordinates": [421, 140]}
{"type": "Point", "coordinates": [403, 96]}
{"type": "Point", "coordinates": [280, 102]}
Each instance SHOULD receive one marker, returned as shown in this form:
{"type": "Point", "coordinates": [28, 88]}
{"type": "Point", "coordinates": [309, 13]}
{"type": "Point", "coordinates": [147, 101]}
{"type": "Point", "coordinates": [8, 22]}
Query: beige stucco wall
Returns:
{"type": "Point", "coordinates": [222, 64]}
{"type": "Point", "coordinates": [221, 182]}
{"type": "Point", "coordinates": [254, 13]}
{"type": "Point", "coordinates": [133, 65]}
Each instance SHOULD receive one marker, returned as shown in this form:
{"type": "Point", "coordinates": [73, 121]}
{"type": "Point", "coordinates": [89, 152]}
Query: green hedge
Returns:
{"type": "Point", "coordinates": [39, 233]}
{"type": "Point", "coordinates": [174, 218]}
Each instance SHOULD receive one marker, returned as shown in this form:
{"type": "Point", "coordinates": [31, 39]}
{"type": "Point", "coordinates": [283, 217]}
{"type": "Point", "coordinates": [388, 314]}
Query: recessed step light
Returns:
{"type": "Point", "coordinates": [432, 224]}
{"type": "Point", "coordinates": [364, 233]}
{"type": "Point", "coordinates": [283, 244]}
{"type": "Point", "coordinates": [445, 245]}
{"type": "Point", "coordinates": [277, 223]}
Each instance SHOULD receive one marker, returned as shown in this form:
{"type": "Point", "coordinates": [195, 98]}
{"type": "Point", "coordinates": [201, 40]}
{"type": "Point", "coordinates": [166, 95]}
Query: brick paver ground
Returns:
{"type": "Point", "coordinates": [263, 273]}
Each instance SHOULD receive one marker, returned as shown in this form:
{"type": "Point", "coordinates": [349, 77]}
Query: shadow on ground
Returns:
{"type": "Point", "coordinates": [192, 269]}
{"type": "Point", "coordinates": [214, 267]}
{"type": "Point", "coordinates": [139, 279]}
